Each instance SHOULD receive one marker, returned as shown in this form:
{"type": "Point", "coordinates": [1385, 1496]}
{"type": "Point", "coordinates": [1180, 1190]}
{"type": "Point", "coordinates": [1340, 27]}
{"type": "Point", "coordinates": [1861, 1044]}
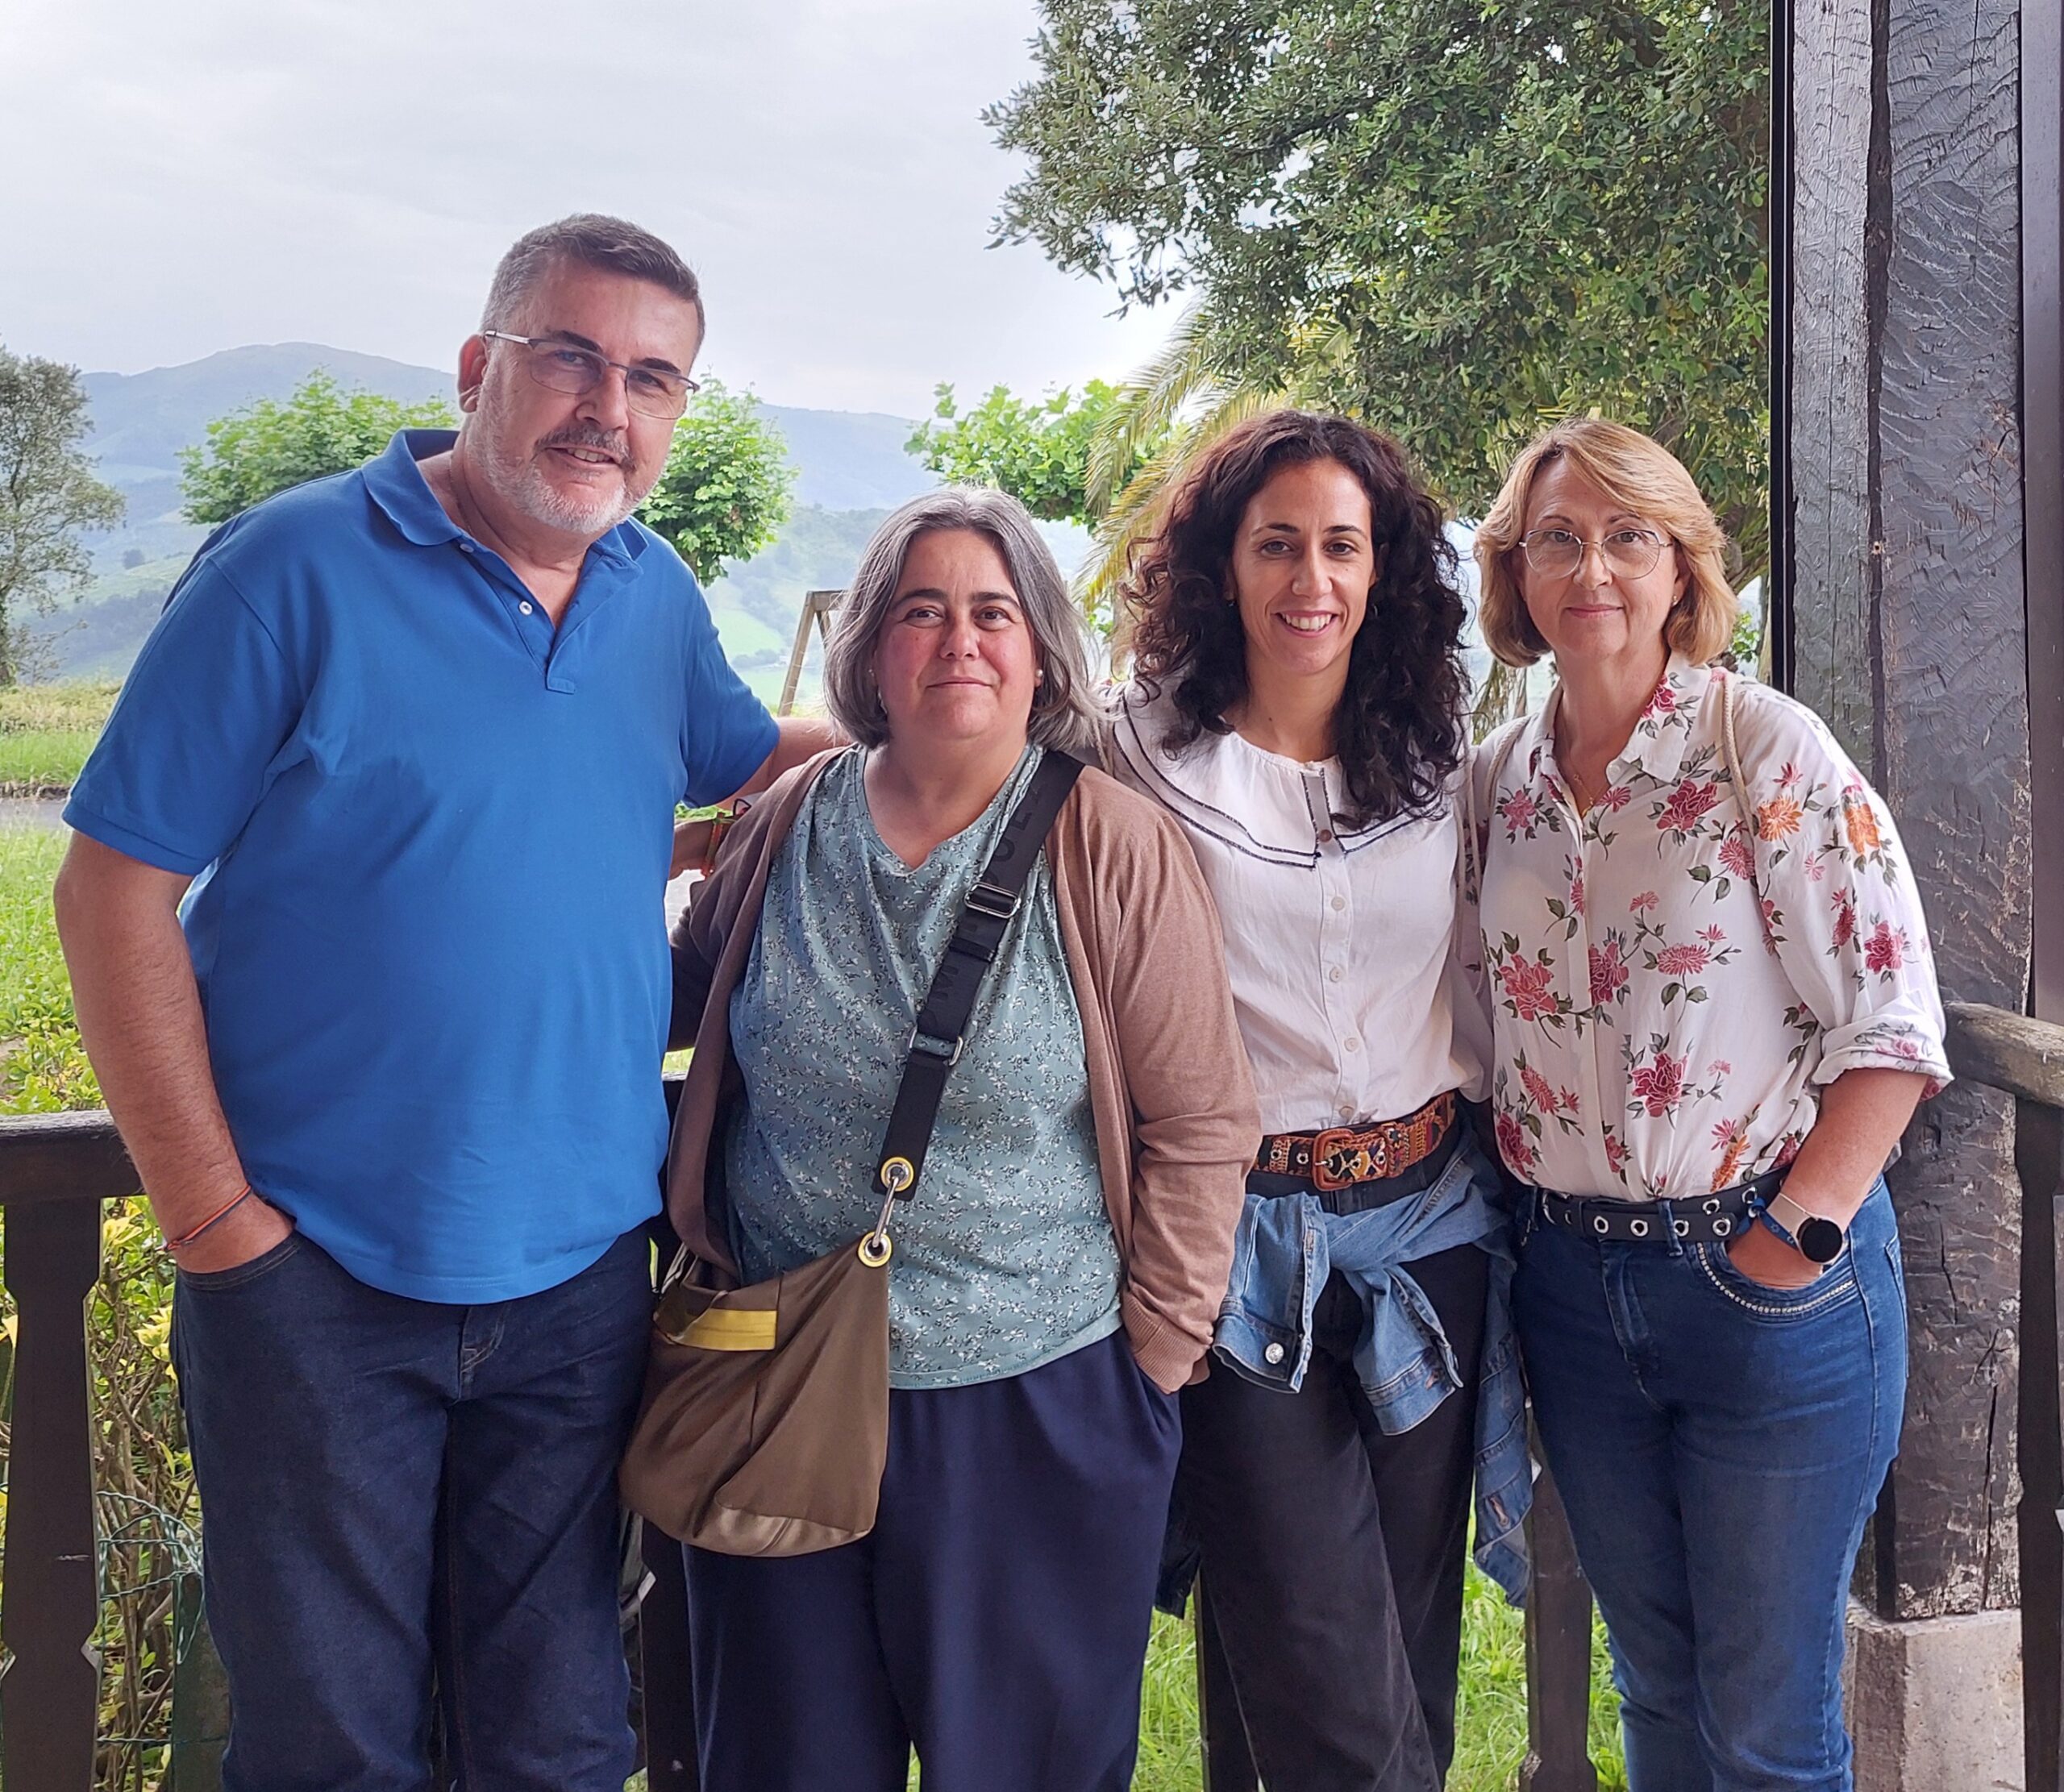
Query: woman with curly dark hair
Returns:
{"type": "Point", "coordinates": [1299, 705]}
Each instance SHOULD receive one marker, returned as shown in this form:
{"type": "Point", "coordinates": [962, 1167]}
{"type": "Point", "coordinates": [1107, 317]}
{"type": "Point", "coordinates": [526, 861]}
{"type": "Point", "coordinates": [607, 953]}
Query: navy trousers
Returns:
{"type": "Point", "coordinates": [996, 1619]}
{"type": "Point", "coordinates": [398, 1495]}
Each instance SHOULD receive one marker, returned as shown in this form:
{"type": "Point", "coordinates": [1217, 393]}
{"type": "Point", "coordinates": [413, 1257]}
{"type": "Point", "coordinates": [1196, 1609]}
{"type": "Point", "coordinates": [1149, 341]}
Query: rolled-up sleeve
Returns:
{"type": "Point", "coordinates": [1840, 903]}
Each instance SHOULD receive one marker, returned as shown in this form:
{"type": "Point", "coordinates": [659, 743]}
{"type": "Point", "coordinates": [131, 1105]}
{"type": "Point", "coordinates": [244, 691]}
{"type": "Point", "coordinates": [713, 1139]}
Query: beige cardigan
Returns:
{"type": "Point", "coordinates": [1176, 1123]}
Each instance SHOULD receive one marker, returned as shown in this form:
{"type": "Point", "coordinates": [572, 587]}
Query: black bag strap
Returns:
{"type": "Point", "coordinates": [940, 1033]}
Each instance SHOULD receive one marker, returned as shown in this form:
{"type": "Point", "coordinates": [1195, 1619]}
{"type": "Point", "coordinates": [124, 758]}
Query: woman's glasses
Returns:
{"type": "Point", "coordinates": [1628, 553]}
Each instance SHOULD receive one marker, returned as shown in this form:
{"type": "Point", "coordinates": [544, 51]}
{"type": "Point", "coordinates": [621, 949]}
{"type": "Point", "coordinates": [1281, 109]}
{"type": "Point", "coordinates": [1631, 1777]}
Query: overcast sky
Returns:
{"type": "Point", "coordinates": [189, 177]}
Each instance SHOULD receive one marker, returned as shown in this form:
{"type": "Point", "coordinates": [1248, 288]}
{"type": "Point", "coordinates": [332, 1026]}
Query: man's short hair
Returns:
{"type": "Point", "coordinates": [592, 240]}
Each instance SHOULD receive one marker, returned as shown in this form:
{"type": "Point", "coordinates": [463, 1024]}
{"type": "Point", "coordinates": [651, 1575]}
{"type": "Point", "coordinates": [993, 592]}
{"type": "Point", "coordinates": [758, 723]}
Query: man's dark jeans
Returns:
{"type": "Point", "coordinates": [398, 1495]}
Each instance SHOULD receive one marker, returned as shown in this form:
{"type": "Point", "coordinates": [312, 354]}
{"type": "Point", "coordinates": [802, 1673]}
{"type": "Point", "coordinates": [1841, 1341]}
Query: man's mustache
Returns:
{"type": "Point", "coordinates": [614, 443]}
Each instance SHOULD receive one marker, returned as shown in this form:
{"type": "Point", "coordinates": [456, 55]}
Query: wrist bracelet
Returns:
{"type": "Point", "coordinates": [221, 1213]}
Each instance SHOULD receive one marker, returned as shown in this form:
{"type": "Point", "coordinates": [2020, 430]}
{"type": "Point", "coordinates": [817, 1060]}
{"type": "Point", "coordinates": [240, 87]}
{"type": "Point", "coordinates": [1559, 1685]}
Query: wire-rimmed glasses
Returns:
{"type": "Point", "coordinates": [561, 366]}
{"type": "Point", "coordinates": [1628, 553]}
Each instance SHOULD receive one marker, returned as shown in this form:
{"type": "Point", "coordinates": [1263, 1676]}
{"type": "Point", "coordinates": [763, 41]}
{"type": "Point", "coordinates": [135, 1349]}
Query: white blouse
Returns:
{"type": "Point", "coordinates": [1674, 977]}
{"type": "Point", "coordinates": [1339, 941]}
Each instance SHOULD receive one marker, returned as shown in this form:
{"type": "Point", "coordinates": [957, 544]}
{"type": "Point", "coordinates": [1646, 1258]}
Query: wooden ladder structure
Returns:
{"type": "Point", "coordinates": [817, 606]}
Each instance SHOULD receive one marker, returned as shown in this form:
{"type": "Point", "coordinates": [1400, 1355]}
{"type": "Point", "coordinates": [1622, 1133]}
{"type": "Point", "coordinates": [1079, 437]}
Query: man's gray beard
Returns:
{"type": "Point", "coordinates": [521, 484]}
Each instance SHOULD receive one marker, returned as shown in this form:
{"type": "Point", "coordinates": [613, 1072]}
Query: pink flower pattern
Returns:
{"type": "Point", "coordinates": [1657, 1085]}
{"type": "Point", "coordinates": [1531, 987]}
{"type": "Point", "coordinates": [1639, 923]}
{"type": "Point", "coordinates": [1885, 951]}
{"type": "Point", "coordinates": [1686, 806]}
{"type": "Point", "coordinates": [1608, 972]}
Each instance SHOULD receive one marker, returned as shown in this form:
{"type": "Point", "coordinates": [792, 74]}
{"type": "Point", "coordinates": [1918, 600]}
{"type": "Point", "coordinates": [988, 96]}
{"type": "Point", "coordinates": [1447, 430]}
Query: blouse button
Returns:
{"type": "Point", "coordinates": [1351, 1045]}
{"type": "Point", "coordinates": [1325, 837]}
{"type": "Point", "coordinates": [1340, 902]}
{"type": "Point", "coordinates": [524, 607]}
{"type": "Point", "coordinates": [1274, 1352]}
{"type": "Point", "coordinates": [1346, 1114]}
{"type": "Point", "coordinates": [1335, 974]}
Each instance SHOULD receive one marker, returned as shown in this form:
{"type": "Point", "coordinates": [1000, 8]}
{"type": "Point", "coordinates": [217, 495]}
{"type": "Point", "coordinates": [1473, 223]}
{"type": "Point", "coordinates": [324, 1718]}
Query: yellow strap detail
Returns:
{"type": "Point", "coordinates": [732, 1328]}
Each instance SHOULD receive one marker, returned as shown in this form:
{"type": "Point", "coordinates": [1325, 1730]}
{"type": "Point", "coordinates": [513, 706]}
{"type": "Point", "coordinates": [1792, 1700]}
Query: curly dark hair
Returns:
{"type": "Point", "coordinates": [1399, 731]}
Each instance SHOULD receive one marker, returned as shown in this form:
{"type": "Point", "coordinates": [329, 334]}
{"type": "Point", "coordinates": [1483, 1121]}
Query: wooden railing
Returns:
{"type": "Point", "coordinates": [2025, 1058]}
{"type": "Point", "coordinates": [56, 1171]}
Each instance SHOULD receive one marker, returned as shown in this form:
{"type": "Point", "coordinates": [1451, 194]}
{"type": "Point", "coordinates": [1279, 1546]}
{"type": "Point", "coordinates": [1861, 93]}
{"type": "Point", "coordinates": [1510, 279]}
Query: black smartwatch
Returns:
{"type": "Point", "coordinates": [1815, 1237]}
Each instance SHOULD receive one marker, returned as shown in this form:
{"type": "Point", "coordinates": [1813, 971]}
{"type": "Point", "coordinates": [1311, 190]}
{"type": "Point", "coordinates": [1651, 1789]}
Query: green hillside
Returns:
{"type": "Point", "coordinates": [851, 468]}
{"type": "Point", "coordinates": [754, 606]}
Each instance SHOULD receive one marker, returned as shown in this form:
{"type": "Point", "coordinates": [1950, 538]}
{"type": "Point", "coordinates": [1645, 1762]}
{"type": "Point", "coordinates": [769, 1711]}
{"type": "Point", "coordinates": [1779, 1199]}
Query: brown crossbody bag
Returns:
{"type": "Point", "coordinates": [764, 1425]}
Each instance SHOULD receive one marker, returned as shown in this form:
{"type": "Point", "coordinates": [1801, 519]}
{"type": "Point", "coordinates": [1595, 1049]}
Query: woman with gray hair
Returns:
{"type": "Point", "coordinates": [1055, 1279]}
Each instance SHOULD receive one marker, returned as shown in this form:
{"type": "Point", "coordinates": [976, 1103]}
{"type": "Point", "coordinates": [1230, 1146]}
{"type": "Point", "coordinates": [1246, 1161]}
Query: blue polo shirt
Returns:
{"type": "Point", "coordinates": [431, 834]}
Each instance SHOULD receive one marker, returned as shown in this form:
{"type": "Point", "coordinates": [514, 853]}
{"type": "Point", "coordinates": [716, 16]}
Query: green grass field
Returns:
{"type": "Point", "coordinates": [42, 1068]}
{"type": "Point", "coordinates": [46, 731]}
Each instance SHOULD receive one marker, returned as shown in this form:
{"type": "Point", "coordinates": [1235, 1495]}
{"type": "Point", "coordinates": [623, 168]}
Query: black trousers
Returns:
{"type": "Point", "coordinates": [1333, 1556]}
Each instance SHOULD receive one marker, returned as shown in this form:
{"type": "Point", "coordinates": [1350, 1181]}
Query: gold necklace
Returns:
{"type": "Point", "coordinates": [1579, 789]}
{"type": "Point", "coordinates": [1575, 784]}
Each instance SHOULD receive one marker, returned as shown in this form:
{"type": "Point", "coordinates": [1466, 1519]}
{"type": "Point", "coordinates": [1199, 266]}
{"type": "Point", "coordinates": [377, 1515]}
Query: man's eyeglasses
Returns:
{"type": "Point", "coordinates": [1628, 553]}
{"type": "Point", "coordinates": [559, 366]}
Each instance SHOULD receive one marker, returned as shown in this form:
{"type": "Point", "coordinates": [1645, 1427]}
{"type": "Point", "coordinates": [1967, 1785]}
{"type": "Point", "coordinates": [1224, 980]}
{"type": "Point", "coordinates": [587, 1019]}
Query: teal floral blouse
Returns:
{"type": "Point", "coordinates": [1005, 1258]}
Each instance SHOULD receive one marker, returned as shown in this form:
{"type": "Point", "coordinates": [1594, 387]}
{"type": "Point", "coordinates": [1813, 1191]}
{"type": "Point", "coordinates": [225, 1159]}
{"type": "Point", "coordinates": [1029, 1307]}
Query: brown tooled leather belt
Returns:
{"type": "Point", "coordinates": [1339, 1156]}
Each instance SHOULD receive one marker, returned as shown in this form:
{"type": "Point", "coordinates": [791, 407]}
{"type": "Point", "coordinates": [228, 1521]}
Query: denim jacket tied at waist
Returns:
{"type": "Point", "coordinates": [1289, 1244]}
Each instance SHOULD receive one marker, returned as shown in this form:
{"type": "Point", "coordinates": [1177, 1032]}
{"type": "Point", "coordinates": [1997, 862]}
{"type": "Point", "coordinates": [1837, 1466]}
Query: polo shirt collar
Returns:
{"type": "Point", "coordinates": [394, 481]}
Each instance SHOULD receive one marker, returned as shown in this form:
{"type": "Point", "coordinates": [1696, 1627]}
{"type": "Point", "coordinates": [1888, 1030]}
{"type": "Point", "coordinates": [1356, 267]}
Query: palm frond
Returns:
{"type": "Point", "coordinates": [1135, 512]}
{"type": "Point", "coordinates": [1186, 367]}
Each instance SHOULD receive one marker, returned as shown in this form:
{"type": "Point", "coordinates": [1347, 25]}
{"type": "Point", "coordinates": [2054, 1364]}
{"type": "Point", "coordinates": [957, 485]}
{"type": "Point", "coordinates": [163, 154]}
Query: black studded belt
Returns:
{"type": "Point", "coordinates": [1690, 1219]}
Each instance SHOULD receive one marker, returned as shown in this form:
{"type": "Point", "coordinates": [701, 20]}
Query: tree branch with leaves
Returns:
{"type": "Point", "coordinates": [1458, 219]}
{"type": "Point", "coordinates": [48, 497]}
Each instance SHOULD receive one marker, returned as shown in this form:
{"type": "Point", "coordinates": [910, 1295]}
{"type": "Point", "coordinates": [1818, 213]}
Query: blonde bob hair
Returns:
{"type": "Point", "coordinates": [1641, 476]}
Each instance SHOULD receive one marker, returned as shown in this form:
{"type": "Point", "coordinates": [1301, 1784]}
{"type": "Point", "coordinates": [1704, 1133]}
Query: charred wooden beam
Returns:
{"type": "Point", "coordinates": [49, 1601]}
{"type": "Point", "coordinates": [1908, 631]}
{"type": "Point", "coordinates": [1557, 1653]}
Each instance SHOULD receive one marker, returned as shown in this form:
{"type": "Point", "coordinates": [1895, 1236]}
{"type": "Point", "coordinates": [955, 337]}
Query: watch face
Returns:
{"type": "Point", "coordinates": [1820, 1240]}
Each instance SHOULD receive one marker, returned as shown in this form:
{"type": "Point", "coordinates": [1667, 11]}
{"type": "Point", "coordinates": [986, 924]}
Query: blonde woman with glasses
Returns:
{"type": "Point", "coordinates": [1714, 1011]}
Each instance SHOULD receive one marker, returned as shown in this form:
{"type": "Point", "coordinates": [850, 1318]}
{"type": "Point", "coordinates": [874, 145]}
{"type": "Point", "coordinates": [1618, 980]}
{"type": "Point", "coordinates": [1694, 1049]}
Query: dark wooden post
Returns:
{"type": "Point", "coordinates": [49, 1603]}
{"type": "Point", "coordinates": [1907, 620]}
{"type": "Point", "coordinates": [2039, 1153]}
{"type": "Point", "coordinates": [200, 1694]}
{"type": "Point", "coordinates": [1229, 1762]}
{"type": "Point", "coordinates": [664, 1674]}
{"type": "Point", "coordinates": [1557, 1654]}
{"type": "Point", "coordinates": [2040, 1149]}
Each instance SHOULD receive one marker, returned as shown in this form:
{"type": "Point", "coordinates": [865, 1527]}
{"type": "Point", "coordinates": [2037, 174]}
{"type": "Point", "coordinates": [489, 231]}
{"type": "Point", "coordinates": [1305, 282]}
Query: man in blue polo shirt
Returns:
{"type": "Point", "coordinates": [364, 916]}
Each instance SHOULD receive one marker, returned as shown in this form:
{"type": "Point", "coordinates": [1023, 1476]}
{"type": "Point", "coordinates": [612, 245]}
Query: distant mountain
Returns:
{"type": "Point", "coordinates": [845, 460]}
{"type": "Point", "coordinates": [851, 468]}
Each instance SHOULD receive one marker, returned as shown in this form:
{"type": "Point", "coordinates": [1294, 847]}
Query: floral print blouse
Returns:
{"type": "Point", "coordinates": [1673, 976]}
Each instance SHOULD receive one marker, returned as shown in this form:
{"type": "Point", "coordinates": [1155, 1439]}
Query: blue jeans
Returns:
{"type": "Point", "coordinates": [1719, 1445]}
{"type": "Point", "coordinates": [396, 1494]}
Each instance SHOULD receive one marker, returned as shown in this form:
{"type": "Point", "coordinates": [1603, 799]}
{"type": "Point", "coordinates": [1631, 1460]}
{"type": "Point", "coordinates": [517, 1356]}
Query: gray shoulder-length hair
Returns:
{"type": "Point", "coordinates": [1064, 709]}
